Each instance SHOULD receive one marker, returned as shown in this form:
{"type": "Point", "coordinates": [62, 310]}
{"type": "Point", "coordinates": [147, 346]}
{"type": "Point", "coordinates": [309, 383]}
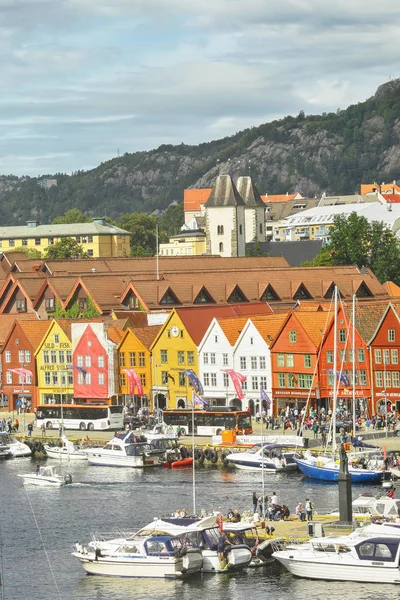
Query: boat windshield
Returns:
{"type": "Point", "coordinates": [383, 550]}
{"type": "Point", "coordinates": [211, 537]}
{"type": "Point", "coordinates": [194, 539]}
{"type": "Point", "coordinates": [155, 547]}
{"type": "Point", "coordinates": [138, 449]}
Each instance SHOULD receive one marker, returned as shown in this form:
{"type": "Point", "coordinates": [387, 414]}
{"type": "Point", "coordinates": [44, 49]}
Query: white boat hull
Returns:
{"type": "Point", "coordinates": [33, 479]}
{"type": "Point", "coordinates": [237, 558]}
{"type": "Point", "coordinates": [321, 569]}
{"type": "Point", "coordinates": [108, 460]}
{"type": "Point", "coordinates": [64, 454]}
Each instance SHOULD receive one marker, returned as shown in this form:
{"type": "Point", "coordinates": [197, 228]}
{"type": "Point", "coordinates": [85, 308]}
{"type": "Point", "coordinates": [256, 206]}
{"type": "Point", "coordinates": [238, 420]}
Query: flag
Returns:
{"type": "Point", "coordinates": [80, 369]}
{"type": "Point", "coordinates": [197, 401]}
{"type": "Point", "coordinates": [22, 372]}
{"type": "Point", "coordinates": [265, 398]}
{"type": "Point", "coordinates": [134, 381]}
{"type": "Point", "coordinates": [194, 380]}
{"type": "Point", "coordinates": [237, 379]}
{"type": "Point", "coordinates": [344, 379]}
{"type": "Point", "coordinates": [170, 377]}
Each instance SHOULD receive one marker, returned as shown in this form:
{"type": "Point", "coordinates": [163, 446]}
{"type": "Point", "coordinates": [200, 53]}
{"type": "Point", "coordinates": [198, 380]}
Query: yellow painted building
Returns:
{"type": "Point", "coordinates": [173, 350]}
{"type": "Point", "coordinates": [98, 239]}
{"type": "Point", "coordinates": [186, 243]}
{"type": "Point", "coordinates": [134, 353]}
{"type": "Point", "coordinates": [53, 355]}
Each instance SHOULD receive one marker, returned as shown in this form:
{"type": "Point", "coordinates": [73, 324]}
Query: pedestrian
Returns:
{"type": "Point", "coordinates": [323, 436]}
{"type": "Point", "coordinates": [309, 509]}
{"type": "Point", "coordinates": [315, 428]}
{"type": "Point", "coordinates": [255, 502]}
{"type": "Point", "coordinates": [236, 516]}
{"type": "Point", "coordinates": [221, 548]}
{"type": "Point", "coordinates": [300, 512]}
{"type": "Point", "coordinates": [179, 431]}
{"type": "Point", "coordinates": [30, 429]}
{"type": "Point", "coordinates": [37, 469]}
{"type": "Point", "coordinates": [43, 428]}
{"type": "Point", "coordinates": [274, 498]}
{"type": "Point", "coordinates": [60, 430]}
{"type": "Point", "coordinates": [9, 425]}
{"type": "Point", "coordinates": [16, 425]}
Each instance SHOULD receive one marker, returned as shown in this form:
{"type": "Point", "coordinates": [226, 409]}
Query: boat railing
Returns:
{"type": "Point", "coordinates": [105, 536]}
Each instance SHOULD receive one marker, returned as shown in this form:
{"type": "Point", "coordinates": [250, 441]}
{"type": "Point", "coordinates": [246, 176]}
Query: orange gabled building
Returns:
{"type": "Point", "coordinates": [294, 357]}
{"type": "Point", "coordinates": [344, 364]}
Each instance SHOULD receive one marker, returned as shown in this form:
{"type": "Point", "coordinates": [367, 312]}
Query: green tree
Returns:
{"type": "Point", "coordinates": [142, 228]}
{"type": "Point", "coordinates": [323, 258]}
{"type": "Point", "coordinates": [29, 252]}
{"type": "Point", "coordinates": [66, 248]}
{"type": "Point", "coordinates": [256, 250]}
{"type": "Point", "coordinates": [172, 220]}
{"type": "Point", "coordinates": [74, 215]}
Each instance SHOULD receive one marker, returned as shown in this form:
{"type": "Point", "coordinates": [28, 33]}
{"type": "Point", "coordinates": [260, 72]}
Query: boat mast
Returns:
{"type": "Point", "coordinates": [193, 463]}
{"type": "Point", "coordinates": [354, 363]}
{"type": "Point", "coordinates": [262, 468]}
{"type": "Point", "coordinates": [334, 372]}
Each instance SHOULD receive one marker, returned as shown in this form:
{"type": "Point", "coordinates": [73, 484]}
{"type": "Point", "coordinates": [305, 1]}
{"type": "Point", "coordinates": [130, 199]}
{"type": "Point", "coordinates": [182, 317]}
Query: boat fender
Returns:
{"type": "Point", "coordinates": [224, 458]}
{"type": "Point", "coordinates": [214, 456]}
{"type": "Point", "coordinates": [167, 464]}
{"type": "Point", "coordinates": [68, 478]}
{"type": "Point", "coordinates": [183, 451]}
{"type": "Point", "coordinates": [207, 454]}
{"type": "Point", "coordinates": [200, 456]}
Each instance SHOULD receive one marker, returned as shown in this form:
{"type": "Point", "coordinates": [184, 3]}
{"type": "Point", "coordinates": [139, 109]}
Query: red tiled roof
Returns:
{"type": "Point", "coordinates": [393, 198]}
{"type": "Point", "coordinates": [7, 321]}
{"type": "Point", "coordinates": [195, 198]}
{"type": "Point", "coordinates": [277, 198]}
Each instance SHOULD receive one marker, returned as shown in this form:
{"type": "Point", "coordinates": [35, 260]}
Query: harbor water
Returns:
{"type": "Point", "coordinates": [38, 527]}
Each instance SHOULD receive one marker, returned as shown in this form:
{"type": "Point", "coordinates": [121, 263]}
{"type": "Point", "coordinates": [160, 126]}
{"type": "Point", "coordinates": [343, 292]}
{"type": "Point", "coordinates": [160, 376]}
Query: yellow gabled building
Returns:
{"type": "Point", "coordinates": [134, 353]}
{"type": "Point", "coordinates": [53, 355]}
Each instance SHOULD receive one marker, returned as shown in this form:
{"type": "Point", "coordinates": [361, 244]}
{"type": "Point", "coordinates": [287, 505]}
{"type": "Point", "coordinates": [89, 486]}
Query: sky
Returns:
{"type": "Point", "coordinates": [84, 80]}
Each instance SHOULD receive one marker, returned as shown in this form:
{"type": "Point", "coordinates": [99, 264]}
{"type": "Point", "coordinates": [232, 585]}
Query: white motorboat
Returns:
{"type": "Point", "coordinates": [4, 449]}
{"type": "Point", "coordinates": [45, 476]}
{"type": "Point", "coordinates": [16, 448]}
{"type": "Point", "coordinates": [151, 556]}
{"type": "Point", "coordinates": [67, 451]}
{"type": "Point", "coordinates": [126, 450]}
{"type": "Point", "coordinates": [271, 458]}
{"type": "Point", "coordinates": [204, 534]}
{"type": "Point", "coordinates": [246, 533]}
{"type": "Point", "coordinates": [158, 432]}
{"type": "Point", "coordinates": [381, 506]}
{"type": "Point", "coordinates": [369, 555]}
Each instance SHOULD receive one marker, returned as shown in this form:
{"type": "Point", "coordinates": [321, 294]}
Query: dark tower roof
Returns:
{"type": "Point", "coordinates": [224, 193]}
{"type": "Point", "coordinates": [249, 192]}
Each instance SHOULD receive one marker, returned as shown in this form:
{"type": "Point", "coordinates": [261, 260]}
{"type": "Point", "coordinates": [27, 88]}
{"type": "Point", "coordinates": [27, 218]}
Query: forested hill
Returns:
{"type": "Point", "coordinates": [330, 153]}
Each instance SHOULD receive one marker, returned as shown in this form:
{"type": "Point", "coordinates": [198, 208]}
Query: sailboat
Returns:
{"type": "Point", "coordinates": [326, 468]}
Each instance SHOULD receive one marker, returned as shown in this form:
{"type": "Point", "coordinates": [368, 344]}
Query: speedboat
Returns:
{"type": "Point", "coordinates": [204, 534]}
{"type": "Point", "coordinates": [381, 506]}
{"type": "Point", "coordinates": [4, 449]}
{"type": "Point", "coordinates": [326, 468]}
{"type": "Point", "coordinates": [246, 533]}
{"type": "Point", "coordinates": [16, 448]}
{"type": "Point", "coordinates": [270, 457]}
{"type": "Point", "coordinates": [67, 451]}
{"type": "Point", "coordinates": [126, 450]}
{"type": "Point", "coordinates": [151, 556]}
{"type": "Point", "coordinates": [45, 476]}
{"type": "Point", "coordinates": [369, 555]}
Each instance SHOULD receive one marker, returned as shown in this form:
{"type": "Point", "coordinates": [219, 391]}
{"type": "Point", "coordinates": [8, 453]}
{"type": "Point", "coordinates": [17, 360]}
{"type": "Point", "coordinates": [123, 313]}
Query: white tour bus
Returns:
{"type": "Point", "coordinates": [80, 416]}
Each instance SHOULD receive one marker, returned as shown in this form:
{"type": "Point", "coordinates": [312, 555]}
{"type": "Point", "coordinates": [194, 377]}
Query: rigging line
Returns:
{"type": "Point", "coordinates": [2, 591]}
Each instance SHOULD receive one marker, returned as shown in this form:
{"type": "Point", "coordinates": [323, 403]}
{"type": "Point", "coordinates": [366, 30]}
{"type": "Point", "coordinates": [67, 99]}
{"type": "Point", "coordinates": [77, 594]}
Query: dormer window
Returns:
{"type": "Point", "coordinates": [82, 304]}
{"type": "Point", "coordinates": [21, 305]}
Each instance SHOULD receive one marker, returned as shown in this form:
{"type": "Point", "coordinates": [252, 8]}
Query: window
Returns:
{"type": "Point", "coordinates": [181, 357]}
{"type": "Point", "coordinates": [395, 379]}
{"type": "Point", "coordinates": [253, 360]}
{"type": "Point", "coordinates": [70, 378]}
{"type": "Point", "coordinates": [329, 356]}
{"type": "Point", "coordinates": [68, 355]}
{"type": "Point", "coordinates": [391, 335]}
{"type": "Point", "coordinates": [190, 358]}
{"type": "Point", "coordinates": [254, 383]}
{"type": "Point", "coordinates": [27, 356]}
{"type": "Point", "coordinates": [281, 380]}
{"type": "Point", "coordinates": [82, 304]}
{"type": "Point", "coordinates": [243, 363]}
{"type": "Point", "coordinates": [122, 359]}
{"type": "Point", "coordinates": [46, 357]}
{"type": "Point", "coordinates": [291, 380]}
{"type": "Point", "coordinates": [240, 229]}
{"type": "Point", "coordinates": [395, 357]}
{"type": "Point", "coordinates": [56, 338]}
{"type": "Point", "coordinates": [24, 242]}
{"type": "Point", "coordinates": [386, 357]}
{"type": "Point", "coordinates": [88, 379]}
{"type": "Point", "coordinates": [281, 360]}
{"type": "Point", "coordinates": [226, 380]}
{"type": "Point", "coordinates": [362, 377]}
{"type": "Point", "coordinates": [212, 358]}
{"type": "Point", "coordinates": [215, 339]}
{"type": "Point", "coordinates": [164, 356]}
{"type": "Point", "coordinates": [38, 241]}
{"type": "Point", "coordinates": [54, 378]}
{"type": "Point", "coordinates": [251, 341]}
{"type": "Point", "coordinates": [84, 239]}
{"type": "Point", "coordinates": [307, 361]}
{"type": "Point", "coordinates": [305, 380]}
{"type": "Point", "coordinates": [53, 357]}
{"type": "Point", "coordinates": [122, 379]}
{"type": "Point", "coordinates": [220, 229]}
{"type": "Point", "coordinates": [89, 252]}
{"type": "Point", "coordinates": [244, 385]}
{"type": "Point", "coordinates": [263, 382]}
{"type": "Point", "coordinates": [182, 380]}
{"type": "Point", "coordinates": [350, 355]}
{"type": "Point", "coordinates": [21, 305]}
{"type": "Point", "coordinates": [11, 243]}
{"type": "Point", "coordinates": [49, 304]}
{"type": "Point", "coordinates": [90, 239]}
{"type": "Point", "coordinates": [388, 379]}
{"type": "Point", "coordinates": [361, 355]}
{"type": "Point", "coordinates": [100, 362]}
{"type": "Point", "coordinates": [221, 247]}
{"type": "Point", "coordinates": [79, 360]}
{"type": "Point", "coordinates": [47, 380]}
{"type": "Point", "coordinates": [213, 380]}
{"type": "Point", "coordinates": [330, 379]}
{"type": "Point", "coordinates": [164, 377]}
{"type": "Point", "coordinates": [262, 363]}
{"type": "Point", "coordinates": [61, 357]}
{"type": "Point", "coordinates": [292, 337]}
{"type": "Point", "coordinates": [78, 239]}
{"type": "Point", "coordinates": [225, 360]}
{"type": "Point", "coordinates": [132, 359]}
{"type": "Point", "coordinates": [206, 377]}
{"type": "Point", "coordinates": [142, 359]}
{"type": "Point", "coordinates": [205, 358]}
{"type": "Point", "coordinates": [378, 356]}
{"type": "Point", "coordinates": [25, 379]}
{"type": "Point", "coordinates": [289, 360]}
{"type": "Point", "coordinates": [343, 356]}
{"type": "Point", "coordinates": [21, 356]}
{"type": "Point", "coordinates": [8, 377]}
{"type": "Point", "coordinates": [143, 379]}
{"type": "Point", "coordinates": [88, 360]}
{"type": "Point", "coordinates": [342, 335]}
{"type": "Point", "coordinates": [50, 241]}
{"type": "Point", "coordinates": [100, 378]}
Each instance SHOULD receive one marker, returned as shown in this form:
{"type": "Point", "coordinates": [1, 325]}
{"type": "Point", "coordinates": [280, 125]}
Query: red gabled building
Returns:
{"type": "Point", "coordinates": [294, 356]}
{"type": "Point", "coordinates": [385, 350]}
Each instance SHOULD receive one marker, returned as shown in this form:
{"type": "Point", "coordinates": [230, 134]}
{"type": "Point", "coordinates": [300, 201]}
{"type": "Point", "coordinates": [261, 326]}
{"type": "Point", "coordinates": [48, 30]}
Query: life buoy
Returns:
{"type": "Point", "coordinates": [214, 456]}
{"type": "Point", "coordinates": [224, 458]}
{"type": "Point", "coordinates": [207, 454]}
{"type": "Point", "coordinates": [200, 456]}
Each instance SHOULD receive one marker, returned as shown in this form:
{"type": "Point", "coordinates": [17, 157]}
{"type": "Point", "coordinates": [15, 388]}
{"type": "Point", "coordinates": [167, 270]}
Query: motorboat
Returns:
{"type": "Point", "coordinates": [4, 449]}
{"type": "Point", "coordinates": [16, 448]}
{"type": "Point", "coordinates": [246, 533]}
{"type": "Point", "coordinates": [45, 476]}
{"type": "Point", "coordinates": [326, 468]}
{"type": "Point", "coordinates": [369, 555]}
{"type": "Point", "coordinates": [272, 458]}
{"type": "Point", "coordinates": [380, 506]}
{"type": "Point", "coordinates": [126, 450]}
{"type": "Point", "coordinates": [204, 534]}
{"type": "Point", "coordinates": [179, 463]}
{"type": "Point", "coordinates": [67, 451]}
{"type": "Point", "coordinates": [151, 556]}
{"type": "Point", "coordinates": [158, 432]}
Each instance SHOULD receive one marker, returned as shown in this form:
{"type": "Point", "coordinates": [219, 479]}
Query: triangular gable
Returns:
{"type": "Point", "coordinates": [269, 294]}
{"type": "Point", "coordinates": [79, 284]}
{"type": "Point", "coordinates": [329, 291]}
{"type": "Point", "coordinates": [203, 297]}
{"type": "Point", "coordinates": [52, 324]}
{"type": "Point", "coordinates": [8, 284]}
{"type": "Point", "coordinates": [169, 298]}
{"type": "Point", "coordinates": [236, 295]}
{"type": "Point", "coordinates": [302, 293]}
{"type": "Point", "coordinates": [363, 291]}
{"type": "Point", "coordinates": [130, 289]}
{"type": "Point", "coordinates": [41, 292]}
{"type": "Point", "coordinates": [381, 321]}
{"type": "Point", "coordinates": [11, 294]}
